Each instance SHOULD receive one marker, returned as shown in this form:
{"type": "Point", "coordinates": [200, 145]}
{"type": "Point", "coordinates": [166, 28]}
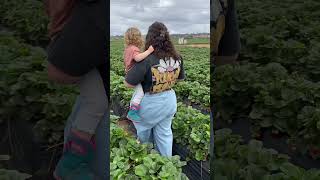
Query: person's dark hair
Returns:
{"type": "Point", "coordinates": [158, 37]}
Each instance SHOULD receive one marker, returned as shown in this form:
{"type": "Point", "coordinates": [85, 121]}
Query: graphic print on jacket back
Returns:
{"type": "Point", "coordinates": [165, 74]}
{"type": "Point", "coordinates": [156, 75]}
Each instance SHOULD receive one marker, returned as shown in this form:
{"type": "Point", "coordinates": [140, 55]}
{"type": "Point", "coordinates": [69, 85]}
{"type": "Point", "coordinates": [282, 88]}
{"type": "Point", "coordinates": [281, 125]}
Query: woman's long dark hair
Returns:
{"type": "Point", "coordinates": [158, 37]}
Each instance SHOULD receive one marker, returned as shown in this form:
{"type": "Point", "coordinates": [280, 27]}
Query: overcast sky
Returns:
{"type": "Point", "coordinates": [180, 16]}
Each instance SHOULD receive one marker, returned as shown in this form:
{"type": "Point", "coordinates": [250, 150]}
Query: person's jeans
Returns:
{"type": "Point", "coordinates": [100, 164]}
{"type": "Point", "coordinates": [157, 111]}
{"type": "Point", "coordinates": [211, 136]}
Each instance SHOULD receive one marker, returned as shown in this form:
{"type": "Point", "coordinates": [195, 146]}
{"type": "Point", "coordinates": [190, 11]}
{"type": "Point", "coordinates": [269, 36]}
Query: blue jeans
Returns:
{"type": "Point", "coordinates": [157, 111]}
{"type": "Point", "coordinates": [100, 164]}
{"type": "Point", "coordinates": [211, 135]}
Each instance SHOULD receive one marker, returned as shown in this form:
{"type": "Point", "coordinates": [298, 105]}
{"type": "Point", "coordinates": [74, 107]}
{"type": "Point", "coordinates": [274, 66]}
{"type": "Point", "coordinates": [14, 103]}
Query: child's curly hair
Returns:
{"type": "Point", "coordinates": [133, 37]}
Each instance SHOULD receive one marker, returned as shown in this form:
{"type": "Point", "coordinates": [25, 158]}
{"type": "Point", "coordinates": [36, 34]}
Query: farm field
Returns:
{"type": "Point", "coordinates": [193, 40]}
{"type": "Point", "coordinates": [190, 40]}
{"type": "Point", "coordinates": [191, 124]}
{"type": "Point", "coordinates": [33, 111]}
{"type": "Point", "coordinates": [270, 99]}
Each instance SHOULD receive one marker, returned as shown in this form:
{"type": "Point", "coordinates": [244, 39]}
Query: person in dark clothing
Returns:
{"type": "Point", "coordinates": [157, 74]}
{"type": "Point", "coordinates": [225, 32]}
{"type": "Point", "coordinates": [77, 55]}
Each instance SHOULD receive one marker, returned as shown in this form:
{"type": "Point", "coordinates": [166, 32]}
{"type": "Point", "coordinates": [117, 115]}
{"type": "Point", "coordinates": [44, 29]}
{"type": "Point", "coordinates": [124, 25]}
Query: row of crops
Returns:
{"type": "Point", "coordinates": [191, 128]}
{"type": "Point", "coordinates": [26, 89]}
{"type": "Point", "coordinates": [27, 97]}
{"type": "Point", "coordinates": [274, 88]}
{"type": "Point", "coordinates": [132, 160]}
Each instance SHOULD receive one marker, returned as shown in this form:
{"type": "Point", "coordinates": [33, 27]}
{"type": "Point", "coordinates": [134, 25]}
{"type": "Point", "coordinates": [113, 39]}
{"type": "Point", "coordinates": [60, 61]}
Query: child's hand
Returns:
{"type": "Point", "coordinates": [150, 49]}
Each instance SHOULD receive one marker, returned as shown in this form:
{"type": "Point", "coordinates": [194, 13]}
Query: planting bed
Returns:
{"type": "Point", "coordinates": [272, 94]}
{"type": "Point", "coordinates": [33, 111]}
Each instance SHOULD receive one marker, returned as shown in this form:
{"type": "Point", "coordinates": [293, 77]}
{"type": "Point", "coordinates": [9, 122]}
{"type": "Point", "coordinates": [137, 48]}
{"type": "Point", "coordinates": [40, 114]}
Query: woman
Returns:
{"type": "Point", "coordinates": [157, 75]}
{"type": "Point", "coordinates": [78, 58]}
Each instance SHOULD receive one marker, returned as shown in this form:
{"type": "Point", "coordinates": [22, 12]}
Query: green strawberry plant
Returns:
{"type": "Point", "coordinates": [235, 160]}
{"type": "Point", "coordinates": [25, 89]}
{"type": "Point", "coordinates": [119, 90]}
{"type": "Point", "coordinates": [132, 160]}
{"type": "Point", "coordinates": [275, 32]}
{"type": "Point", "coordinates": [233, 90]}
{"type": "Point", "coordinates": [27, 18]}
{"type": "Point", "coordinates": [194, 92]}
{"type": "Point", "coordinates": [270, 97]}
{"type": "Point", "coordinates": [191, 128]}
{"type": "Point", "coordinates": [11, 174]}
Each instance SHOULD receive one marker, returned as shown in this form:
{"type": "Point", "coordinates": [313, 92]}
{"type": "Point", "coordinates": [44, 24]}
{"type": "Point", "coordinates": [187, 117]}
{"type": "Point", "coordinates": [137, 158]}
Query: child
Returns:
{"type": "Point", "coordinates": [133, 42]}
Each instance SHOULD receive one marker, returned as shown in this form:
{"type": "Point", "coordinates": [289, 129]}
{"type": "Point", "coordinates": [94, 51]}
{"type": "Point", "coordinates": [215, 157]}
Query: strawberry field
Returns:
{"type": "Point", "coordinates": [33, 110]}
{"type": "Point", "coordinates": [271, 96]}
{"type": "Point", "coordinates": [191, 128]}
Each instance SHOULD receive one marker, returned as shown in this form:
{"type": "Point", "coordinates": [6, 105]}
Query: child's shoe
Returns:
{"type": "Point", "coordinates": [77, 151]}
{"type": "Point", "coordinates": [133, 113]}
{"type": "Point", "coordinates": [83, 172]}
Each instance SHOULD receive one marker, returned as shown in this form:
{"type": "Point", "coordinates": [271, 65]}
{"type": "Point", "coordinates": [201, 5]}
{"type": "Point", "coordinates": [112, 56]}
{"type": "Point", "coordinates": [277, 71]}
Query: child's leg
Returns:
{"type": "Point", "coordinates": [80, 145]}
{"type": "Point", "coordinates": [93, 103]}
{"type": "Point", "coordinates": [135, 103]}
{"type": "Point", "coordinates": [138, 95]}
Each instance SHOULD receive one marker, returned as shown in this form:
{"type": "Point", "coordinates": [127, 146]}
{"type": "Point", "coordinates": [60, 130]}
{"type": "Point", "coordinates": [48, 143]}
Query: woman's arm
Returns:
{"type": "Point", "coordinates": [56, 75]}
{"type": "Point", "coordinates": [135, 75]}
{"type": "Point", "coordinates": [128, 85]}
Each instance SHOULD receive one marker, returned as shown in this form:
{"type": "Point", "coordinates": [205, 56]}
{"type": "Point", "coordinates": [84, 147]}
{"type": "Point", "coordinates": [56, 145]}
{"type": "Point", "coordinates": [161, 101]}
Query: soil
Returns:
{"type": "Point", "coordinates": [26, 154]}
{"type": "Point", "coordinates": [199, 107]}
{"type": "Point", "coordinates": [128, 126]}
{"type": "Point", "coordinates": [195, 170]}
